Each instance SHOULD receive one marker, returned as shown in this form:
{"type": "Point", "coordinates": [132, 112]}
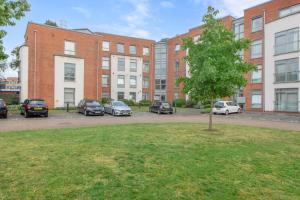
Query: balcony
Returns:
{"type": "Point", "coordinates": [287, 77]}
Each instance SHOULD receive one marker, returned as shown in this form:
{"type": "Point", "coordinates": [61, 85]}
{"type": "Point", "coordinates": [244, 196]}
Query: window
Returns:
{"type": "Point", "coordinates": [145, 82]}
{"type": "Point", "coordinates": [121, 64]}
{"type": "Point", "coordinates": [121, 81]}
{"type": "Point", "coordinates": [121, 95]}
{"type": "Point", "coordinates": [132, 81]}
{"type": "Point", "coordinates": [145, 96]}
{"type": "Point", "coordinates": [256, 101]}
{"type": "Point", "coordinates": [132, 96]}
{"type": "Point", "coordinates": [105, 95]}
{"type": "Point", "coordinates": [146, 51]}
{"type": "Point", "coordinates": [69, 48]}
{"type": "Point", "coordinates": [287, 41]}
{"type": "Point", "coordinates": [257, 24]}
{"type": "Point", "coordinates": [256, 49]}
{"type": "Point", "coordinates": [177, 64]}
{"type": "Point", "coordinates": [160, 84]}
{"type": "Point", "coordinates": [287, 70]}
{"type": "Point", "coordinates": [289, 10]}
{"type": "Point", "coordinates": [105, 80]}
{"type": "Point", "coordinates": [133, 66]}
{"type": "Point", "coordinates": [120, 48]}
{"type": "Point", "coordinates": [257, 74]}
{"type": "Point", "coordinates": [105, 63]}
{"type": "Point", "coordinates": [146, 67]}
{"type": "Point", "coordinates": [286, 100]}
{"type": "Point", "coordinates": [239, 30]}
{"type": "Point", "coordinates": [177, 47]}
{"type": "Point", "coordinates": [69, 97]}
{"type": "Point", "coordinates": [132, 49]}
{"type": "Point", "coordinates": [241, 54]}
{"type": "Point", "coordinates": [176, 95]}
{"type": "Point", "coordinates": [105, 46]}
{"type": "Point", "coordinates": [196, 38]}
{"type": "Point", "coordinates": [69, 71]}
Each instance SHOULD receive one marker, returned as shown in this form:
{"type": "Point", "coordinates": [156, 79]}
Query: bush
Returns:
{"type": "Point", "coordinates": [129, 102]}
{"type": "Point", "coordinates": [105, 100]}
{"type": "Point", "coordinates": [179, 102]}
{"type": "Point", "coordinates": [190, 103]}
{"type": "Point", "coordinates": [10, 98]}
{"type": "Point", "coordinates": [145, 103]}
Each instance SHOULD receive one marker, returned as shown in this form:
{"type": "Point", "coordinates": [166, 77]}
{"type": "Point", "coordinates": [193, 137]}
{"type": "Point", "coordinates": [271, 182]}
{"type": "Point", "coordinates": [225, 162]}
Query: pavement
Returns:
{"type": "Point", "coordinates": [16, 122]}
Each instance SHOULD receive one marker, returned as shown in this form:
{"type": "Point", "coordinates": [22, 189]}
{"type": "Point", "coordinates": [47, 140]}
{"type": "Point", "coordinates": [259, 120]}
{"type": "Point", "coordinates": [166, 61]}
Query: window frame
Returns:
{"type": "Point", "coordinates": [256, 92]}
{"type": "Point", "coordinates": [261, 49]}
{"type": "Point", "coordinates": [73, 79]}
{"type": "Point", "coordinates": [104, 48]}
{"type": "Point", "coordinates": [71, 53]}
{"type": "Point", "coordinates": [120, 85]}
{"type": "Point", "coordinates": [259, 28]}
{"type": "Point", "coordinates": [103, 60]}
{"type": "Point", "coordinates": [130, 50]}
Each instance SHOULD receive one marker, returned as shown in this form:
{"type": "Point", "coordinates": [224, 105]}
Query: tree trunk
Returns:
{"type": "Point", "coordinates": [211, 114]}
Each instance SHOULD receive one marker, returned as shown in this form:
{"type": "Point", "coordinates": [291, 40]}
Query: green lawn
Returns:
{"type": "Point", "coordinates": [164, 161]}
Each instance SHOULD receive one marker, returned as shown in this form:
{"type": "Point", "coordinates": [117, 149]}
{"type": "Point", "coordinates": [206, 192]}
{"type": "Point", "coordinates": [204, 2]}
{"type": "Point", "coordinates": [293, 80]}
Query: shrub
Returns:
{"type": "Point", "coordinates": [179, 102]}
{"type": "Point", "coordinates": [129, 102]}
{"type": "Point", "coordinates": [145, 103]}
{"type": "Point", "coordinates": [105, 100]}
{"type": "Point", "coordinates": [190, 103]}
{"type": "Point", "coordinates": [10, 98]}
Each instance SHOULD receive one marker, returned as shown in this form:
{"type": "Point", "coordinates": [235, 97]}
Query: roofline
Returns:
{"type": "Point", "coordinates": [112, 34]}
{"type": "Point", "coordinates": [258, 5]}
{"type": "Point", "coordinates": [60, 28]}
{"type": "Point", "coordinates": [219, 19]}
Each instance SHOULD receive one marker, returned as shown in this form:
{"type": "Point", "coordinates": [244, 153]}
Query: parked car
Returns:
{"type": "Point", "coordinates": [3, 109]}
{"type": "Point", "coordinates": [90, 107]}
{"type": "Point", "coordinates": [161, 107]}
{"type": "Point", "coordinates": [117, 108]}
{"type": "Point", "coordinates": [34, 107]}
{"type": "Point", "coordinates": [226, 107]}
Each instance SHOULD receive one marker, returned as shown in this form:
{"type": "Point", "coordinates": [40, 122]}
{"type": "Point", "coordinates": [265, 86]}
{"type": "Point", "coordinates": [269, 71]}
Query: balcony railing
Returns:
{"type": "Point", "coordinates": [287, 77]}
{"type": "Point", "coordinates": [286, 106]}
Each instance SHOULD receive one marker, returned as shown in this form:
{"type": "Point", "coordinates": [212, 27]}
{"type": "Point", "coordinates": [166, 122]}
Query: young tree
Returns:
{"type": "Point", "coordinates": [10, 10]}
{"type": "Point", "coordinates": [216, 69]}
{"type": "Point", "coordinates": [50, 23]}
{"type": "Point", "coordinates": [15, 63]}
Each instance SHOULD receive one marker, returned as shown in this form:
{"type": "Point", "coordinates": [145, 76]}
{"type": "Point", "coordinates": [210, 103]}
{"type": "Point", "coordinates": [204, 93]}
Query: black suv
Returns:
{"type": "Point", "coordinates": [3, 109]}
{"type": "Point", "coordinates": [90, 107]}
{"type": "Point", "coordinates": [161, 107]}
{"type": "Point", "coordinates": [34, 107]}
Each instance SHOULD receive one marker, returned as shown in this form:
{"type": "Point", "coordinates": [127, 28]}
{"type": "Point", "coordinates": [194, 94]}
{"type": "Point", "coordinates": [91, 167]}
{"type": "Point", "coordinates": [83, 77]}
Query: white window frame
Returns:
{"type": "Point", "coordinates": [70, 48]}
{"type": "Point", "coordinates": [105, 62]}
{"type": "Point", "coordinates": [105, 45]}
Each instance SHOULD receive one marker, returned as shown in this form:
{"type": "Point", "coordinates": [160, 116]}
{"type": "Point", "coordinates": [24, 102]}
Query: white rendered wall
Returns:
{"type": "Point", "coordinates": [24, 73]}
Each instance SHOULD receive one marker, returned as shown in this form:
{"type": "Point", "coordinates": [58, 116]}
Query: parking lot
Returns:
{"type": "Point", "coordinates": [62, 119]}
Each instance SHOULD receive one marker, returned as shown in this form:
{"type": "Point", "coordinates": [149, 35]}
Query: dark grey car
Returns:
{"type": "Point", "coordinates": [90, 107]}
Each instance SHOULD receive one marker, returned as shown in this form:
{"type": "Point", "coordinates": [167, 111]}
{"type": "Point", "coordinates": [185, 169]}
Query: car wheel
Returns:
{"type": "Point", "coordinates": [113, 113]}
{"type": "Point", "coordinates": [215, 113]}
{"type": "Point", "coordinates": [158, 112]}
{"type": "Point", "coordinates": [5, 116]}
{"type": "Point", "coordinates": [26, 114]}
{"type": "Point", "coordinates": [226, 112]}
{"type": "Point", "coordinates": [86, 113]}
{"type": "Point", "coordinates": [239, 110]}
{"type": "Point", "coordinates": [46, 115]}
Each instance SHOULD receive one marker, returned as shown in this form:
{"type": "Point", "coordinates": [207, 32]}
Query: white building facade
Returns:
{"type": "Point", "coordinates": [282, 55]}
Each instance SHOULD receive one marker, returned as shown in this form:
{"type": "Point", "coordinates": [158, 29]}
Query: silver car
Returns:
{"type": "Point", "coordinates": [117, 108]}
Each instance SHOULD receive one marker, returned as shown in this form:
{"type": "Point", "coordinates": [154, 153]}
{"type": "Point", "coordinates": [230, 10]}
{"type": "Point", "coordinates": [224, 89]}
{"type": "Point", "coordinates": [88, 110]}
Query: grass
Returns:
{"type": "Point", "coordinates": [163, 161]}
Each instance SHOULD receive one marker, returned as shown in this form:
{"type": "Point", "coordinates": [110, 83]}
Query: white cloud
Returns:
{"type": "Point", "coordinates": [83, 11]}
{"type": "Point", "coordinates": [166, 4]}
{"type": "Point", "coordinates": [230, 7]}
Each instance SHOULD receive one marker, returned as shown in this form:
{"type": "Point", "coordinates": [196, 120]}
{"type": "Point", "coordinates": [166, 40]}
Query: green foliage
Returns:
{"type": "Point", "coordinates": [15, 63]}
{"type": "Point", "coordinates": [10, 98]}
{"type": "Point", "coordinates": [50, 23]}
{"type": "Point", "coordinates": [145, 103]}
{"type": "Point", "coordinates": [129, 102]}
{"type": "Point", "coordinates": [10, 10]}
{"type": "Point", "coordinates": [179, 102]}
{"type": "Point", "coordinates": [216, 70]}
{"type": "Point", "coordinates": [105, 100]}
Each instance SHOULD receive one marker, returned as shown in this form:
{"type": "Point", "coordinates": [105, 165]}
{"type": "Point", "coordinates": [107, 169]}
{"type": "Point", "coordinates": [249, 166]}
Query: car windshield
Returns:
{"type": "Point", "coordinates": [165, 104]}
{"type": "Point", "coordinates": [93, 104]}
{"type": "Point", "coordinates": [118, 103]}
{"type": "Point", "coordinates": [219, 105]}
{"type": "Point", "coordinates": [37, 102]}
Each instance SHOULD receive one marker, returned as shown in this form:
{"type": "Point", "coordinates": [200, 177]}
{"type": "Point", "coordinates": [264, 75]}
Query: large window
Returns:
{"type": "Point", "coordinates": [132, 49]}
{"type": "Point", "coordinates": [257, 24]}
{"type": "Point", "coordinates": [290, 10]}
{"type": "Point", "coordinates": [286, 100]}
{"type": "Point", "coordinates": [105, 46]}
{"type": "Point", "coordinates": [121, 95]}
{"type": "Point", "coordinates": [132, 96]}
{"type": "Point", "coordinates": [105, 95]}
{"type": "Point", "coordinates": [146, 82]}
{"type": "Point", "coordinates": [257, 74]}
{"type": "Point", "coordinates": [105, 63]}
{"type": "Point", "coordinates": [238, 30]}
{"type": "Point", "coordinates": [69, 48]}
{"type": "Point", "coordinates": [287, 70]}
{"type": "Point", "coordinates": [69, 97]}
{"type": "Point", "coordinates": [146, 67]}
{"type": "Point", "coordinates": [146, 51]}
{"type": "Point", "coordinates": [121, 64]}
{"type": "Point", "coordinates": [105, 80]}
{"type": "Point", "coordinates": [133, 65]}
{"type": "Point", "coordinates": [69, 72]}
{"type": "Point", "coordinates": [121, 81]}
{"type": "Point", "coordinates": [160, 84]}
{"type": "Point", "coordinates": [177, 65]}
{"type": "Point", "coordinates": [256, 99]}
{"type": "Point", "coordinates": [177, 47]}
{"type": "Point", "coordinates": [145, 96]}
{"type": "Point", "coordinates": [196, 38]}
{"type": "Point", "coordinates": [120, 48]}
{"type": "Point", "coordinates": [132, 81]}
{"type": "Point", "coordinates": [256, 49]}
{"type": "Point", "coordinates": [287, 41]}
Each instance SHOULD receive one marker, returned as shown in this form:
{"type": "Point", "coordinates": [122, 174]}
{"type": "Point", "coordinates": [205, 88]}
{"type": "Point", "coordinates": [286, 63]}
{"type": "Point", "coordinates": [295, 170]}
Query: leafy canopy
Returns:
{"type": "Point", "coordinates": [216, 69]}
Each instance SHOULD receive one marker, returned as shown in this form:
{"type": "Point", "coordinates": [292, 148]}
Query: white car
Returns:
{"type": "Point", "coordinates": [226, 107]}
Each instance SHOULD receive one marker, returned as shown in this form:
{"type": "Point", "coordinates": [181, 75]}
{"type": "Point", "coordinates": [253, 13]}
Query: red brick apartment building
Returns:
{"type": "Point", "coordinates": [63, 65]}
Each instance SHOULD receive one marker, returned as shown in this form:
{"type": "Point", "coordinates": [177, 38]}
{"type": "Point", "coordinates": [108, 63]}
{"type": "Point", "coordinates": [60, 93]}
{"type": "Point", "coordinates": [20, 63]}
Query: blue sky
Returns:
{"type": "Point", "coordinates": [152, 19]}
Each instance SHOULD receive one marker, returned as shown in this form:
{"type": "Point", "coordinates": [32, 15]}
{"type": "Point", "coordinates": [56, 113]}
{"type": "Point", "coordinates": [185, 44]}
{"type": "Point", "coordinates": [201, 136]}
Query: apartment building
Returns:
{"type": "Point", "coordinates": [62, 65]}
